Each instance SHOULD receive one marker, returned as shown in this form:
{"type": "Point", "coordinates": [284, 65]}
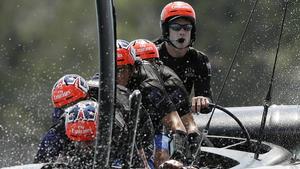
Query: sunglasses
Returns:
{"type": "Point", "coordinates": [178, 27]}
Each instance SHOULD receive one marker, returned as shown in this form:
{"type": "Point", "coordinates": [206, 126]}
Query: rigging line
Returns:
{"type": "Point", "coordinates": [205, 130]}
{"type": "Point", "coordinates": [278, 44]}
{"type": "Point", "coordinates": [231, 65]}
{"type": "Point", "coordinates": [268, 96]}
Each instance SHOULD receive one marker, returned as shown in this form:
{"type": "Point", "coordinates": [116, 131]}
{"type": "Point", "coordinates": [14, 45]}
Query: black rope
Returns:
{"type": "Point", "coordinates": [268, 98]}
{"type": "Point", "coordinates": [205, 130]}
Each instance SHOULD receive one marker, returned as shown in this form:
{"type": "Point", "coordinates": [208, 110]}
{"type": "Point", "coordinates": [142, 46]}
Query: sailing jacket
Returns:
{"type": "Point", "coordinates": [194, 70]}
{"type": "Point", "coordinates": [155, 98]}
{"type": "Point", "coordinates": [175, 88]}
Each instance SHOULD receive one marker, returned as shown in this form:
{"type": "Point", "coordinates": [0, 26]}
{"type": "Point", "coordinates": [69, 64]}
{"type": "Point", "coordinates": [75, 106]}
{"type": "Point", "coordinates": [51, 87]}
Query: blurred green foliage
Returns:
{"type": "Point", "coordinates": [40, 41]}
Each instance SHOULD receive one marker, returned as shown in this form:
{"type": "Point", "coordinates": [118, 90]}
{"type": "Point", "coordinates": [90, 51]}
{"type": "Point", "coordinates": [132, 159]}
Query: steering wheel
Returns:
{"type": "Point", "coordinates": [206, 140]}
{"type": "Point", "coordinates": [244, 130]}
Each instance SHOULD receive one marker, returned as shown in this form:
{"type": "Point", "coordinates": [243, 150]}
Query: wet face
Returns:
{"type": "Point", "coordinates": [180, 32]}
{"type": "Point", "coordinates": [124, 73]}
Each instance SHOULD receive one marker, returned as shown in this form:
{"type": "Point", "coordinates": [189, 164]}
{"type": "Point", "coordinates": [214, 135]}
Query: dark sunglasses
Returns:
{"type": "Point", "coordinates": [178, 27]}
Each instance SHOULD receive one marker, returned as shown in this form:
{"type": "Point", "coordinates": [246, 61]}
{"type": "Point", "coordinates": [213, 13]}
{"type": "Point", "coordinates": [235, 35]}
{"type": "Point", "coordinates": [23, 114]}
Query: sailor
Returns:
{"type": "Point", "coordinates": [80, 129]}
{"type": "Point", "coordinates": [178, 26]}
{"type": "Point", "coordinates": [137, 74]}
{"type": "Point", "coordinates": [69, 90]}
{"type": "Point", "coordinates": [146, 50]}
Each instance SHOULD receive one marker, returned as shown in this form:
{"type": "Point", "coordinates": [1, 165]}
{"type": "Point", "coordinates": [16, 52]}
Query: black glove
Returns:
{"type": "Point", "coordinates": [180, 142]}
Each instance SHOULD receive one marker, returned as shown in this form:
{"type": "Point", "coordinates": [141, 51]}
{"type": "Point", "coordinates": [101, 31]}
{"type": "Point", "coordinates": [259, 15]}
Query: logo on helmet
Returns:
{"type": "Point", "coordinates": [180, 6]}
{"type": "Point", "coordinates": [81, 130]}
{"type": "Point", "coordinates": [62, 94]}
{"type": "Point", "coordinates": [149, 48]}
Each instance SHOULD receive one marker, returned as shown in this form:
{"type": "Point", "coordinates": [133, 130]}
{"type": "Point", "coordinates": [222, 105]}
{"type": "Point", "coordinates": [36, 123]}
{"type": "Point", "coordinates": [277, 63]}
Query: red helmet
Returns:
{"type": "Point", "coordinates": [69, 89]}
{"type": "Point", "coordinates": [144, 49]}
{"type": "Point", "coordinates": [123, 55]}
{"type": "Point", "coordinates": [81, 121]}
{"type": "Point", "coordinates": [176, 10]}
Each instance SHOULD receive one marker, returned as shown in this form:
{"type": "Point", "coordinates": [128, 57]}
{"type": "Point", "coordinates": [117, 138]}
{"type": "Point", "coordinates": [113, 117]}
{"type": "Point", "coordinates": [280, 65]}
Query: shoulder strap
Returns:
{"type": "Point", "coordinates": [159, 41]}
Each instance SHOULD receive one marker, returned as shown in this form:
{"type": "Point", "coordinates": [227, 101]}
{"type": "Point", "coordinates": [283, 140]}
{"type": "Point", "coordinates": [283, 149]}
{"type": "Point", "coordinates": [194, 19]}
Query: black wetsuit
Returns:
{"type": "Point", "coordinates": [193, 69]}
{"type": "Point", "coordinates": [154, 95]}
{"type": "Point", "coordinates": [175, 88]}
